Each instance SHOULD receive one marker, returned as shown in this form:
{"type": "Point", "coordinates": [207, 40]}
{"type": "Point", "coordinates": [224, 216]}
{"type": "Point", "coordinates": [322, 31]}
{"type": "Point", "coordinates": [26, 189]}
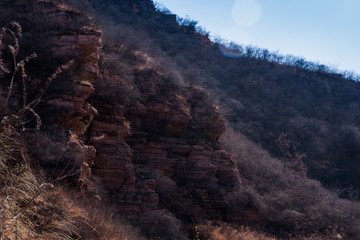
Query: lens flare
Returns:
{"type": "Point", "coordinates": [230, 53]}
{"type": "Point", "coordinates": [246, 12]}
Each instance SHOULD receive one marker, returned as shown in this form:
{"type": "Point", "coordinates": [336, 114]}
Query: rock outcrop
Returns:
{"type": "Point", "coordinates": [158, 150]}
{"type": "Point", "coordinates": [165, 147]}
{"type": "Point", "coordinates": [59, 37]}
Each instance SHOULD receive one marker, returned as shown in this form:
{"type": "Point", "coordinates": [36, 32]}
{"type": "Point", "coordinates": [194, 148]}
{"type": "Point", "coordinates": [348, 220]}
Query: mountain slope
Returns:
{"type": "Point", "coordinates": [317, 110]}
{"type": "Point", "coordinates": [130, 124]}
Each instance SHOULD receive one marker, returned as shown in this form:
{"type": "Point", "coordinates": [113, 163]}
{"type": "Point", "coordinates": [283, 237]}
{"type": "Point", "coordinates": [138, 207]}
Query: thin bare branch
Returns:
{"type": "Point", "coordinates": [37, 117]}
{"type": "Point", "coordinates": [12, 76]}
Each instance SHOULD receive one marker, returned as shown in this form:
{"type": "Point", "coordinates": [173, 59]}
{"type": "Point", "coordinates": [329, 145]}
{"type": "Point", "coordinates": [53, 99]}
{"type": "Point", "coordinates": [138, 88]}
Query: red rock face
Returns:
{"type": "Point", "coordinates": [72, 38]}
{"type": "Point", "coordinates": [59, 36]}
{"type": "Point", "coordinates": [161, 149]}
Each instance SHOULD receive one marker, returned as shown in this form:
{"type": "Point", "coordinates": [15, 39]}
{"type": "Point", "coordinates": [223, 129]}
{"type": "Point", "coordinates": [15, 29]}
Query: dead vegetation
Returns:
{"type": "Point", "coordinates": [30, 209]}
{"type": "Point", "coordinates": [223, 231]}
{"type": "Point", "coordinates": [291, 205]}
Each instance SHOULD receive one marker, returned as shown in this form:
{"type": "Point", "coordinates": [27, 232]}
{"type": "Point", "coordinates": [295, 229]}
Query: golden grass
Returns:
{"type": "Point", "coordinates": [30, 210]}
{"type": "Point", "coordinates": [211, 231]}
{"type": "Point", "coordinates": [92, 219]}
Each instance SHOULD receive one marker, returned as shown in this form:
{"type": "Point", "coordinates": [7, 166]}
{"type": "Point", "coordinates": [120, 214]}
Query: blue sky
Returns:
{"type": "Point", "coordinates": [327, 31]}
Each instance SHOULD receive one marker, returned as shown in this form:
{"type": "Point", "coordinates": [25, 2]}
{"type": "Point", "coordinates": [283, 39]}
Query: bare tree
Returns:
{"type": "Point", "coordinates": [289, 155]}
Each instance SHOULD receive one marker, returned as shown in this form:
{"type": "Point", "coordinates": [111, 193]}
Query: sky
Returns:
{"type": "Point", "coordinates": [325, 31]}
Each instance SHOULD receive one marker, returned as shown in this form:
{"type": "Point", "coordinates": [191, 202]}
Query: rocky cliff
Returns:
{"type": "Point", "coordinates": [164, 147]}
{"type": "Point", "coordinates": [159, 150]}
{"type": "Point", "coordinates": [59, 36]}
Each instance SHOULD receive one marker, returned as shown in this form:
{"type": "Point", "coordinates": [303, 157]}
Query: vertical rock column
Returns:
{"type": "Point", "coordinates": [67, 36]}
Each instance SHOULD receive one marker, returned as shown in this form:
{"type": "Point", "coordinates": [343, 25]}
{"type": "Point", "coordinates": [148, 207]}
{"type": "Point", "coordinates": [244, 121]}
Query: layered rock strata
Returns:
{"type": "Point", "coordinates": [163, 147]}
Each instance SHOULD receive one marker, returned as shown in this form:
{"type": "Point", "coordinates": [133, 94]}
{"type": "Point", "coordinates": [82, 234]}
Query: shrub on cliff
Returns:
{"type": "Point", "coordinates": [162, 225]}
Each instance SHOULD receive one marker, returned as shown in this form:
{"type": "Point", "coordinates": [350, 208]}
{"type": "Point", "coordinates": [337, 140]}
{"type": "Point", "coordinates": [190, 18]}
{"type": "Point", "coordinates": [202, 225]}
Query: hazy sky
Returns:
{"type": "Point", "coordinates": [327, 31]}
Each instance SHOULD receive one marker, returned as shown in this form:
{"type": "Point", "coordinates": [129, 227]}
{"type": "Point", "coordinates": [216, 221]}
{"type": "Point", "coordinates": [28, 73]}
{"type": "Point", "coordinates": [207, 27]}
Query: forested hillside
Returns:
{"type": "Point", "coordinates": [261, 94]}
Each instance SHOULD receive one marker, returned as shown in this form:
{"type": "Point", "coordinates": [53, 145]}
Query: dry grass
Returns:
{"type": "Point", "coordinates": [211, 231]}
{"type": "Point", "coordinates": [93, 219]}
{"type": "Point", "coordinates": [30, 210]}
{"type": "Point", "coordinates": [223, 231]}
{"type": "Point", "coordinates": [24, 212]}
